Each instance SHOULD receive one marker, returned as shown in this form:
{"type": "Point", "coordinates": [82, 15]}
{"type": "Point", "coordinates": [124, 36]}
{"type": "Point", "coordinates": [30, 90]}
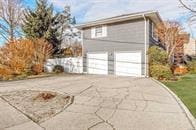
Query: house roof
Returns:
{"type": "Point", "coordinates": [153, 15]}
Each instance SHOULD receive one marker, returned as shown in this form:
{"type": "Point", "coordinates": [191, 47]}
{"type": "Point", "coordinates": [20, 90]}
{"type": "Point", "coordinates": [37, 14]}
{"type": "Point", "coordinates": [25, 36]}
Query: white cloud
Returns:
{"type": "Point", "coordinates": [76, 5]}
{"type": "Point", "coordinates": [169, 9]}
{"type": "Point", "coordinates": [89, 10]}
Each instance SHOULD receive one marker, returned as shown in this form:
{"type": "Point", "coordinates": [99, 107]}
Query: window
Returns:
{"type": "Point", "coordinates": [154, 33]}
{"type": "Point", "coordinates": [99, 31]}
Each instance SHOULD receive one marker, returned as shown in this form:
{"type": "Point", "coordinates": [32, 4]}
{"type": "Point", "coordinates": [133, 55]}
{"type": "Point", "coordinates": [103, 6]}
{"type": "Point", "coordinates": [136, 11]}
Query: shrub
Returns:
{"type": "Point", "coordinates": [161, 72]}
{"type": "Point", "coordinates": [43, 50]}
{"type": "Point", "coordinates": [5, 73]}
{"type": "Point", "coordinates": [192, 67]}
{"type": "Point", "coordinates": [37, 69]}
{"type": "Point", "coordinates": [17, 57]}
{"type": "Point", "coordinates": [180, 70]}
{"type": "Point", "coordinates": [74, 50]}
{"type": "Point", "coordinates": [68, 52]}
{"type": "Point", "coordinates": [58, 69]}
{"type": "Point", "coordinates": [157, 55]}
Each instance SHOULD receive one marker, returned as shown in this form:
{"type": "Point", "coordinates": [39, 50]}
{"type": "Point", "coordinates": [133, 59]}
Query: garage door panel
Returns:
{"type": "Point", "coordinates": [127, 70]}
{"type": "Point", "coordinates": [97, 63]}
{"type": "Point", "coordinates": [129, 57]}
{"type": "Point", "coordinates": [128, 64]}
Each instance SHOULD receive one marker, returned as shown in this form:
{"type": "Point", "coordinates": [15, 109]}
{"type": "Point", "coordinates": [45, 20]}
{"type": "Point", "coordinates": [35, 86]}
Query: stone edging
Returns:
{"type": "Point", "coordinates": [181, 104]}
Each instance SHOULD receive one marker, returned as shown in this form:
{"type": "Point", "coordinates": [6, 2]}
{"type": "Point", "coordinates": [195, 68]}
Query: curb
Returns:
{"type": "Point", "coordinates": [180, 103]}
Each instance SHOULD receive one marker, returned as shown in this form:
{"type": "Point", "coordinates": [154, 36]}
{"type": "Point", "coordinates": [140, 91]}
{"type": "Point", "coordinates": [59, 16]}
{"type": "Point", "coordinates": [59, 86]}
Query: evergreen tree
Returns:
{"type": "Point", "coordinates": [68, 33]}
{"type": "Point", "coordinates": [42, 22]}
{"type": "Point", "coordinates": [65, 21]}
{"type": "Point", "coordinates": [73, 21]}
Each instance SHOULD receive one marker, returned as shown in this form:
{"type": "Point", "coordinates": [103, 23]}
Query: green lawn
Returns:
{"type": "Point", "coordinates": [185, 88]}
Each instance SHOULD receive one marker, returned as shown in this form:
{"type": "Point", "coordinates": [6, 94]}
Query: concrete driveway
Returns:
{"type": "Point", "coordinates": [100, 103]}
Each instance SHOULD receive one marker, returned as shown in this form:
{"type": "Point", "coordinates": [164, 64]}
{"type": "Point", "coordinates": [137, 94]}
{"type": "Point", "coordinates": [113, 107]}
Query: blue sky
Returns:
{"type": "Point", "coordinates": [88, 10]}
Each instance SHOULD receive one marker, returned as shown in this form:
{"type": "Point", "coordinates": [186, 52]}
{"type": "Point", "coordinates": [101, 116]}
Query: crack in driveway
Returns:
{"type": "Point", "coordinates": [118, 103]}
{"type": "Point", "coordinates": [114, 110]}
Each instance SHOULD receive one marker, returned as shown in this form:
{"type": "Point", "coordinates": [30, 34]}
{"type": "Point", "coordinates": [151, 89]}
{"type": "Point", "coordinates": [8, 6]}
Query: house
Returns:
{"type": "Point", "coordinates": [119, 45]}
{"type": "Point", "coordinates": [179, 55]}
{"type": "Point", "coordinates": [190, 47]}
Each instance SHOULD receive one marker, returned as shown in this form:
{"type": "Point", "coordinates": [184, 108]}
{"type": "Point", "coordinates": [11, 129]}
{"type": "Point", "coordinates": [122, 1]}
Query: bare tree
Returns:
{"type": "Point", "coordinates": [171, 35]}
{"type": "Point", "coordinates": [11, 13]}
{"type": "Point", "coordinates": [189, 4]}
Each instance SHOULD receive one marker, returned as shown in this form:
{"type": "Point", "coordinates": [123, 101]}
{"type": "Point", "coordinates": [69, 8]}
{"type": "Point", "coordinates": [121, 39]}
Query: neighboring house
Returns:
{"type": "Point", "coordinates": [119, 45]}
{"type": "Point", "coordinates": [190, 47]}
{"type": "Point", "coordinates": [179, 55]}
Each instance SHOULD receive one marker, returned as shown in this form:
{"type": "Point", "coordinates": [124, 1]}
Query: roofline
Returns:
{"type": "Point", "coordinates": [120, 19]}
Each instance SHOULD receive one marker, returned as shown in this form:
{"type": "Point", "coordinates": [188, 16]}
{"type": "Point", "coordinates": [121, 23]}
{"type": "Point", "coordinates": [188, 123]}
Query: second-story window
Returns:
{"type": "Point", "coordinates": [99, 31]}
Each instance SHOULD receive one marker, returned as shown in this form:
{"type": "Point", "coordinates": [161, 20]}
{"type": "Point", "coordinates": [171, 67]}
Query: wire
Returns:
{"type": "Point", "coordinates": [113, 41]}
{"type": "Point", "coordinates": [115, 60]}
{"type": "Point", "coordinates": [71, 64]}
{"type": "Point", "coordinates": [94, 68]}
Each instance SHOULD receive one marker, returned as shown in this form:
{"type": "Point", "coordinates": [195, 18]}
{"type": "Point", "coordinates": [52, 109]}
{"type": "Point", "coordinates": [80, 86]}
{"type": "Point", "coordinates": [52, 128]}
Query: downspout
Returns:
{"type": "Point", "coordinates": [145, 44]}
{"type": "Point", "coordinates": [82, 42]}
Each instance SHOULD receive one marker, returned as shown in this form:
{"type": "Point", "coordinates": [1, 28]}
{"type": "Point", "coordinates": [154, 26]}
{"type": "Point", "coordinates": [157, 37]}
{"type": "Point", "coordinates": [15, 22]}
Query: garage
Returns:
{"type": "Point", "coordinates": [97, 63]}
{"type": "Point", "coordinates": [128, 63]}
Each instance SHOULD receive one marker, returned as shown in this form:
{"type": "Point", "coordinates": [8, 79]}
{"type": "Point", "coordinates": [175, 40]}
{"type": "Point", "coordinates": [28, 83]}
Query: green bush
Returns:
{"type": "Point", "coordinates": [161, 72]}
{"type": "Point", "coordinates": [157, 55]}
{"type": "Point", "coordinates": [58, 69]}
{"type": "Point", "coordinates": [192, 67]}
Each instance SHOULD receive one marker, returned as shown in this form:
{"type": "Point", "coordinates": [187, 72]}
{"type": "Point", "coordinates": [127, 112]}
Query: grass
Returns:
{"type": "Point", "coordinates": [185, 88]}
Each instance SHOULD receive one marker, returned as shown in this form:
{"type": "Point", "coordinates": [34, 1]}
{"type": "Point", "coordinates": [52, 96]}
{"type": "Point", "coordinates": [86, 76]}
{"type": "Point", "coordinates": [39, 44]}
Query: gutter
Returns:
{"type": "Point", "coordinates": [145, 44]}
{"type": "Point", "coordinates": [118, 19]}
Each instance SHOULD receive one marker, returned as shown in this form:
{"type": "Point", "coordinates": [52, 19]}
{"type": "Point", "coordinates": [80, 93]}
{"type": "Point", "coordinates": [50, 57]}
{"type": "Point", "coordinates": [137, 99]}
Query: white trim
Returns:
{"type": "Point", "coordinates": [93, 32]}
{"type": "Point", "coordinates": [127, 52]}
{"type": "Point", "coordinates": [96, 52]}
{"type": "Point", "coordinates": [121, 18]}
{"type": "Point", "coordinates": [145, 38]}
{"type": "Point", "coordinates": [82, 44]}
{"type": "Point", "coordinates": [103, 34]}
{"type": "Point", "coordinates": [104, 30]}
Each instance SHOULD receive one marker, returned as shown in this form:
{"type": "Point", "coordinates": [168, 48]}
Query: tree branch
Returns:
{"type": "Point", "coordinates": [185, 6]}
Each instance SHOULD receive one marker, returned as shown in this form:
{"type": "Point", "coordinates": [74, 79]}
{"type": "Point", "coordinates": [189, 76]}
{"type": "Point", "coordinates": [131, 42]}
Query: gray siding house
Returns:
{"type": "Point", "coordinates": [119, 45]}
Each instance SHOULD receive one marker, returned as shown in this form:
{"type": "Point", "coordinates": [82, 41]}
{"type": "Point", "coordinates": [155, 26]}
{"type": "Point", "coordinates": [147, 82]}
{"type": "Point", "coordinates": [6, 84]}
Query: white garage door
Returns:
{"type": "Point", "coordinates": [97, 63]}
{"type": "Point", "coordinates": [128, 64]}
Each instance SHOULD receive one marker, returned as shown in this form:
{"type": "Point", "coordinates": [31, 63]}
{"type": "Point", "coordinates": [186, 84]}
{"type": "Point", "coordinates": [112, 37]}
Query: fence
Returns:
{"type": "Point", "coordinates": [71, 65]}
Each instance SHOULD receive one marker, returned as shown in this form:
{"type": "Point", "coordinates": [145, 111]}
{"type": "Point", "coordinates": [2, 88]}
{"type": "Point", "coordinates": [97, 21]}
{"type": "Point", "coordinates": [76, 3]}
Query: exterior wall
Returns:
{"type": "Point", "coordinates": [152, 41]}
{"type": "Point", "coordinates": [124, 36]}
{"type": "Point", "coordinates": [190, 48]}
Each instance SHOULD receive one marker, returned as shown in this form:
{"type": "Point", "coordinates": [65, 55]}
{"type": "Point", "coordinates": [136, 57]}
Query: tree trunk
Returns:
{"type": "Point", "coordinates": [11, 33]}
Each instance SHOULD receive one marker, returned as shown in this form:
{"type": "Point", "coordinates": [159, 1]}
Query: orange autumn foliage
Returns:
{"type": "Point", "coordinates": [37, 68]}
{"type": "Point", "coordinates": [73, 51]}
{"type": "Point", "coordinates": [180, 70]}
{"type": "Point", "coordinates": [18, 56]}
